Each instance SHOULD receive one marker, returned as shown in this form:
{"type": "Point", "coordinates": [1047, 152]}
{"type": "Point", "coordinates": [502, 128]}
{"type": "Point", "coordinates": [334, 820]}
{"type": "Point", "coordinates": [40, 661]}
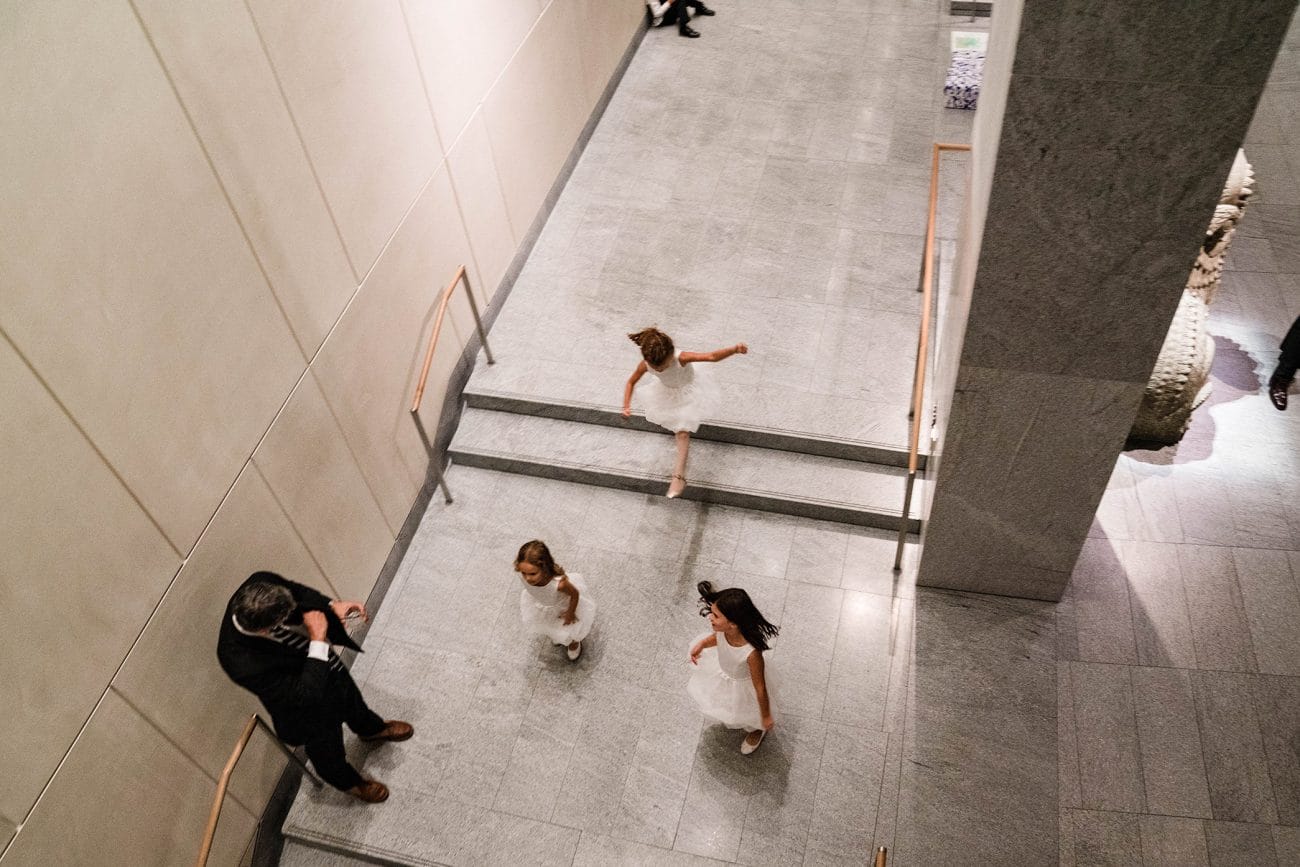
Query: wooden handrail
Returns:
{"type": "Point", "coordinates": [223, 783]}
{"type": "Point", "coordinates": [461, 277]}
{"type": "Point", "coordinates": [922, 344]}
{"type": "Point", "coordinates": [882, 855]}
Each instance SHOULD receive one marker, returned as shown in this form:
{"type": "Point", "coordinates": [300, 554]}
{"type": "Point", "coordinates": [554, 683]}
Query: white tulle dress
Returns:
{"type": "Point", "coordinates": [680, 396]}
{"type": "Point", "coordinates": [541, 609]}
{"type": "Point", "coordinates": [723, 688]}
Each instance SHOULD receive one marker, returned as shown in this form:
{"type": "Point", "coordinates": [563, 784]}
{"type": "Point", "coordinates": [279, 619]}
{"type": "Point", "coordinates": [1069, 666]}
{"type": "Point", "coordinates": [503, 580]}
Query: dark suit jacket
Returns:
{"type": "Point", "coordinates": [300, 693]}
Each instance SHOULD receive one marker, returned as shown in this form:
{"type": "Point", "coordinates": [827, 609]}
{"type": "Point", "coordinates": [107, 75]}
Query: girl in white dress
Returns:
{"type": "Point", "coordinates": [678, 396]}
{"type": "Point", "coordinates": [553, 603]}
{"type": "Point", "coordinates": [730, 681]}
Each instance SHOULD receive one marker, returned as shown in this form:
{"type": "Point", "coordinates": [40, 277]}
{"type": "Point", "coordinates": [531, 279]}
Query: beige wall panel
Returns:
{"type": "Point", "coordinates": [81, 567]}
{"type": "Point", "coordinates": [607, 28]}
{"type": "Point", "coordinates": [125, 796]}
{"type": "Point", "coordinates": [307, 463]}
{"type": "Point", "coordinates": [462, 49]}
{"type": "Point", "coordinates": [172, 676]}
{"type": "Point", "coordinates": [478, 190]}
{"type": "Point", "coordinates": [7, 829]}
{"type": "Point", "coordinates": [369, 365]}
{"type": "Point", "coordinates": [214, 58]}
{"type": "Point", "coordinates": [127, 281]}
{"type": "Point", "coordinates": [354, 87]}
{"type": "Point", "coordinates": [535, 112]}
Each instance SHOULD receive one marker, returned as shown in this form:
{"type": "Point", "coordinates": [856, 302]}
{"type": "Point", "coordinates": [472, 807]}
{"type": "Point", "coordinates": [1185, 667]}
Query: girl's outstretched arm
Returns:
{"type": "Point", "coordinates": [631, 384]}
{"type": "Point", "coordinates": [564, 585]}
{"type": "Point", "coordinates": [710, 640]}
{"type": "Point", "coordinates": [760, 686]}
{"type": "Point", "coordinates": [715, 355]}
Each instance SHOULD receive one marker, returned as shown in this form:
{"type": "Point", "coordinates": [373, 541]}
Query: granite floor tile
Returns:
{"type": "Point", "coordinates": [1158, 602]}
{"type": "Point", "coordinates": [1271, 599]}
{"type": "Point", "coordinates": [1109, 754]}
{"type": "Point", "coordinates": [1169, 841]}
{"type": "Point", "coordinates": [1220, 630]}
{"type": "Point", "coordinates": [1277, 706]}
{"type": "Point", "coordinates": [1098, 595]}
{"type": "Point", "coordinates": [1173, 768]}
{"type": "Point", "coordinates": [1106, 839]}
{"type": "Point", "coordinates": [847, 796]}
{"type": "Point", "coordinates": [1239, 843]}
{"type": "Point", "coordinates": [1286, 840]}
{"type": "Point", "coordinates": [1236, 764]}
{"type": "Point", "coordinates": [602, 850]}
{"type": "Point", "coordinates": [1067, 742]}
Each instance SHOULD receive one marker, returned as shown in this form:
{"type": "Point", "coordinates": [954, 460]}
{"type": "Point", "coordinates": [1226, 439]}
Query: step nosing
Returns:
{"type": "Point", "coordinates": [488, 455]}
{"type": "Point", "coordinates": [509, 402]}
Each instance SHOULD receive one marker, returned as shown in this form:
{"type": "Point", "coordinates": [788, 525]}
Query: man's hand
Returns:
{"type": "Point", "coordinates": [316, 625]}
{"type": "Point", "coordinates": [345, 609]}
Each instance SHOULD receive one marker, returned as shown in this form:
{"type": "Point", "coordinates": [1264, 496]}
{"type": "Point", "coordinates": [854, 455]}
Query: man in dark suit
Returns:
{"type": "Point", "coordinates": [665, 13]}
{"type": "Point", "coordinates": [275, 642]}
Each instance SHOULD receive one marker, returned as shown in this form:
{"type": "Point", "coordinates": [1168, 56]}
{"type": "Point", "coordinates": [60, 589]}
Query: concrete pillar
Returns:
{"type": "Point", "coordinates": [1104, 135]}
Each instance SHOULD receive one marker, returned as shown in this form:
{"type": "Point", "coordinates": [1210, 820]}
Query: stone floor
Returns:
{"type": "Point", "coordinates": [1179, 637]}
{"type": "Point", "coordinates": [524, 757]}
{"type": "Point", "coordinates": [765, 183]}
{"type": "Point", "coordinates": [1150, 718]}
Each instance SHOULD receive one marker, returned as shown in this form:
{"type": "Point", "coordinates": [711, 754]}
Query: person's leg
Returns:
{"type": "Point", "coordinates": [325, 750]}
{"type": "Point", "coordinates": [678, 15]}
{"type": "Point", "coordinates": [699, 7]}
{"type": "Point", "coordinates": [354, 710]}
{"type": "Point", "coordinates": [1287, 363]}
{"type": "Point", "coordinates": [678, 483]}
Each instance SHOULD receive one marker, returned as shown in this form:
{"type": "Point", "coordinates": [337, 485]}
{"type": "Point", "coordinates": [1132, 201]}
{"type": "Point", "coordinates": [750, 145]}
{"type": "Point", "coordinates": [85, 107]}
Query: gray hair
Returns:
{"type": "Point", "coordinates": [262, 605]}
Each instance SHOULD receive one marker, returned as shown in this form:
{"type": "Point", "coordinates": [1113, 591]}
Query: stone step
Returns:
{"type": "Point", "coordinates": [751, 477]}
{"type": "Point", "coordinates": [299, 854]}
{"type": "Point", "coordinates": [480, 397]}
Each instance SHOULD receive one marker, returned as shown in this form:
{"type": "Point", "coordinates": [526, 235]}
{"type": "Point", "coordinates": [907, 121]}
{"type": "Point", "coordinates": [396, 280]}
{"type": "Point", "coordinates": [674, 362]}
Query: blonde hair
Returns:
{"type": "Point", "coordinates": [656, 347]}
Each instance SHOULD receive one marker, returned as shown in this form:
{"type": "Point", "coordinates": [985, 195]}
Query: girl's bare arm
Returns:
{"type": "Point", "coordinates": [715, 355]}
{"type": "Point", "coordinates": [631, 384]}
{"type": "Point", "coordinates": [566, 586]}
{"type": "Point", "coordinates": [756, 673]}
{"type": "Point", "coordinates": [710, 640]}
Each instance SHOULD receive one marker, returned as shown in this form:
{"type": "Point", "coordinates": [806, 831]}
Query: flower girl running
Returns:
{"type": "Point", "coordinates": [553, 603]}
{"type": "Point", "coordinates": [677, 397]}
{"type": "Point", "coordinates": [729, 682]}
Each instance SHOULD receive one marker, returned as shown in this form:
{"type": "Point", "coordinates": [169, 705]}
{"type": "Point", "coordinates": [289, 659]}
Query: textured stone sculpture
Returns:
{"type": "Point", "coordinates": [1181, 379]}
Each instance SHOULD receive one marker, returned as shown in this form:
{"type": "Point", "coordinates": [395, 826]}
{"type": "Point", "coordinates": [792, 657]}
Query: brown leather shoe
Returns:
{"type": "Point", "coordinates": [393, 730]}
{"type": "Point", "coordinates": [371, 791]}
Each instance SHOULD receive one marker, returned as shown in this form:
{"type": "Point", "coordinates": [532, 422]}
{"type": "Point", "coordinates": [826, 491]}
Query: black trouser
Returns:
{"type": "Point", "coordinates": [677, 14]}
{"type": "Point", "coordinates": [323, 739]}
{"type": "Point", "coordinates": [1289, 360]}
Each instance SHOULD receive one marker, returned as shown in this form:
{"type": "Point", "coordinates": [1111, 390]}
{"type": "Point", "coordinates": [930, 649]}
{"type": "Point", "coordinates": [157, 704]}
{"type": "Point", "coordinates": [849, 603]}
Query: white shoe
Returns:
{"type": "Point", "coordinates": [678, 485]}
{"type": "Point", "coordinates": [746, 747]}
{"type": "Point", "coordinates": [575, 653]}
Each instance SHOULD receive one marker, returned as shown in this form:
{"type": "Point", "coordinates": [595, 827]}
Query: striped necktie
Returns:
{"type": "Point", "coordinates": [298, 641]}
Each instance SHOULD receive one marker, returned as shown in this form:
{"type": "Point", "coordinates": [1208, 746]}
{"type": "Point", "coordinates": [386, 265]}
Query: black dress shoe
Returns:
{"type": "Point", "coordinates": [705, 11]}
{"type": "Point", "coordinates": [1277, 391]}
{"type": "Point", "coordinates": [688, 32]}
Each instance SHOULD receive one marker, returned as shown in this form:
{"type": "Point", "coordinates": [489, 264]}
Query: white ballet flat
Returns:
{"type": "Point", "coordinates": [575, 653]}
{"type": "Point", "coordinates": [672, 495]}
{"type": "Point", "coordinates": [746, 748]}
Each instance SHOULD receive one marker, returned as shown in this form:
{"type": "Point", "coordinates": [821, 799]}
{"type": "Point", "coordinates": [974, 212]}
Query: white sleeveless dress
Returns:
{"type": "Point", "coordinates": [723, 688]}
{"type": "Point", "coordinates": [540, 608]}
{"type": "Point", "coordinates": [680, 396]}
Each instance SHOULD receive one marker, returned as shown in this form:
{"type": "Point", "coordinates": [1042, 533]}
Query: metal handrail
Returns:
{"type": "Point", "coordinates": [461, 277]}
{"type": "Point", "coordinates": [223, 783]}
{"type": "Point", "coordinates": [922, 344]}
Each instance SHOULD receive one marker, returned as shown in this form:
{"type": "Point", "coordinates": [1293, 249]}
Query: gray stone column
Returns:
{"type": "Point", "coordinates": [1104, 135]}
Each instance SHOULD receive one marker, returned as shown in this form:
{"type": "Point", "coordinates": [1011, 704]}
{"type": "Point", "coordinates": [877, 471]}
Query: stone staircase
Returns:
{"type": "Point", "coordinates": [787, 472]}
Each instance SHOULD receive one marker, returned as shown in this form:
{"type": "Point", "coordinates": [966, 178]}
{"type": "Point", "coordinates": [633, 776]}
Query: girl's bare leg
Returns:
{"type": "Point", "coordinates": [679, 470]}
